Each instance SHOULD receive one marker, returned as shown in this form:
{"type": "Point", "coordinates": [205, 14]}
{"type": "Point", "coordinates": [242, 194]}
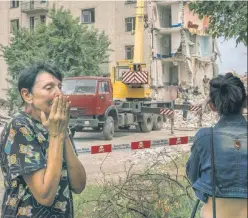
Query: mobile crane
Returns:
{"type": "Point", "coordinates": [108, 104]}
{"type": "Point", "coordinates": [129, 78]}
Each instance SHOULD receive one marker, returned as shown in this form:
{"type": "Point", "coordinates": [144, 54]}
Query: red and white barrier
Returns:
{"type": "Point", "coordinates": [137, 145]}
{"type": "Point", "coordinates": [195, 108]}
{"type": "Point", "coordinates": [101, 149]}
{"type": "Point", "coordinates": [166, 111]}
{"type": "Point", "coordinates": [140, 145]}
{"type": "Point", "coordinates": [179, 140]}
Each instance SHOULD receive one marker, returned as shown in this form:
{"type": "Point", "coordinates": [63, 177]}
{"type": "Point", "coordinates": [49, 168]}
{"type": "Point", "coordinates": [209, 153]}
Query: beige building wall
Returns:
{"type": "Point", "coordinates": [4, 35]}
{"type": "Point", "coordinates": [6, 15]}
{"type": "Point", "coordinates": [109, 17]}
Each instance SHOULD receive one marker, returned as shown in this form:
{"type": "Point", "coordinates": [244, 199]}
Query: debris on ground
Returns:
{"type": "Point", "coordinates": [209, 117]}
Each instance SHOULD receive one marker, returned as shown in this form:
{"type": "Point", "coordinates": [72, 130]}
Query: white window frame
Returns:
{"type": "Point", "coordinates": [31, 27]}
{"type": "Point", "coordinates": [131, 50]}
{"type": "Point", "coordinates": [14, 3]}
{"type": "Point", "coordinates": [91, 15]}
{"type": "Point", "coordinates": [15, 22]}
{"type": "Point", "coordinates": [130, 20]}
{"type": "Point", "coordinates": [43, 16]}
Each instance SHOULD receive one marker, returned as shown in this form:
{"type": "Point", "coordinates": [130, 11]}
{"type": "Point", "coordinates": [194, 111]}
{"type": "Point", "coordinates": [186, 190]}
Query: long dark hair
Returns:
{"type": "Point", "coordinates": [227, 94]}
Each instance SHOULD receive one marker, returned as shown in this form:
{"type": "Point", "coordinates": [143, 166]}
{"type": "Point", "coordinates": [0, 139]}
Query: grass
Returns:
{"type": "Point", "coordinates": [184, 207]}
{"type": "Point", "coordinates": [84, 204]}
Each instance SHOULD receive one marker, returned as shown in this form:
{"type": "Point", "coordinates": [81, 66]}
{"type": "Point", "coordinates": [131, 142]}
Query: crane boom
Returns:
{"type": "Point", "coordinates": [139, 33]}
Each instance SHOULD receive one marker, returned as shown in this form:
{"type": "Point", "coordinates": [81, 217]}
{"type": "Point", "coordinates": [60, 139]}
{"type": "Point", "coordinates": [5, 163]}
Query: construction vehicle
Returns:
{"type": "Point", "coordinates": [129, 78]}
{"type": "Point", "coordinates": [107, 104]}
{"type": "Point", "coordinates": [92, 105]}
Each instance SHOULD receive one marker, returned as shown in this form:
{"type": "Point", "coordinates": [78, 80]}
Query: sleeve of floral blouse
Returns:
{"type": "Point", "coordinates": [22, 150]}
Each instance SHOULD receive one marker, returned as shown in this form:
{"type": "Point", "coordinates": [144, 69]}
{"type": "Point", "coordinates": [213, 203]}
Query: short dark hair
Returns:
{"type": "Point", "coordinates": [227, 93]}
{"type": "Point", "coordinates": [28, 75]}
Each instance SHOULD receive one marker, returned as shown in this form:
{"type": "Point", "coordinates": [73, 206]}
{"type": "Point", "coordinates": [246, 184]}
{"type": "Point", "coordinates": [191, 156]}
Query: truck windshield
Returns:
{"type": "Point", "coordinates": [79, 86]}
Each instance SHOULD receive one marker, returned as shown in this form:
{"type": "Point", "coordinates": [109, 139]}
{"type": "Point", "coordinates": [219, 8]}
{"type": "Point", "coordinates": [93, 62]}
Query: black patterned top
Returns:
{"type": "Point", "coordinates": [23, 150]}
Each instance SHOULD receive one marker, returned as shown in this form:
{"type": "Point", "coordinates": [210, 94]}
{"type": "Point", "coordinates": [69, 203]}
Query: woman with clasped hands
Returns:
{"type": "Point", "coordinates": [37, 155]}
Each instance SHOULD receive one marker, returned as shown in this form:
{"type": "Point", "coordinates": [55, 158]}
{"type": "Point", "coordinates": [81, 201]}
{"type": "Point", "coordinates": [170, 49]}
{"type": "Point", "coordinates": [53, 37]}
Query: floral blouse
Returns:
{"type": "Point", "coordinates": [23, 150]}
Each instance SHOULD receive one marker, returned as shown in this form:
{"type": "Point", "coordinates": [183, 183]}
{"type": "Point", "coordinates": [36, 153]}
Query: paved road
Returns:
{"type": "Point", "coordinates": [86, 139]}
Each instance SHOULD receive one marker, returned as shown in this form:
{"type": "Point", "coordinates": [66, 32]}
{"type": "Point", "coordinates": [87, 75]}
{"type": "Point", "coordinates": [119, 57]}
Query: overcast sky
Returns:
{"type": "Point", "coordinates": [233, 58]}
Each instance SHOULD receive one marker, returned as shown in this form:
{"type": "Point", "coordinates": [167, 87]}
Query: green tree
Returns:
{"type": "Point", "coordinates": [76, 49]}
{"type": "Point", "coordinates": [227, 19]}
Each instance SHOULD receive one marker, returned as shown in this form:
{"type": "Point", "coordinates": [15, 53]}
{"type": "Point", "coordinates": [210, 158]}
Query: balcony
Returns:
{"type": "Point", "coordinates": [34, 6]}
{"type": "Point", "coordinates": [167, 31]}
{"type": "Point", "coordinates": [172, 59]}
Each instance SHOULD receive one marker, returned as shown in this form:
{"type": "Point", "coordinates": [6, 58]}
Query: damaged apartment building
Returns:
{"type": "Point", "coordinates": [176, 48]}
{"type": "Point", "coordinates": [182, 53]}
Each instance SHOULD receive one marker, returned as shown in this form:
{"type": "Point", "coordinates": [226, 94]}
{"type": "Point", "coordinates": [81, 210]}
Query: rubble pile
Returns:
{"type": "Point", "coordinates": [208, 119]}
{"type": "Point", "coordinates": [161, 154]}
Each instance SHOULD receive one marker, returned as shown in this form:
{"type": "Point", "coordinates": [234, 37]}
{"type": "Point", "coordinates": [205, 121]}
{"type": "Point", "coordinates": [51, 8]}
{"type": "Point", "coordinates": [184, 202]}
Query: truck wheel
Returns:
{"type": "Point", "coordinates": [147, 124]}
{"type": "Point", "coordinates": [109, 128]}
{"type": "Point", "coordinates": [157, 122]}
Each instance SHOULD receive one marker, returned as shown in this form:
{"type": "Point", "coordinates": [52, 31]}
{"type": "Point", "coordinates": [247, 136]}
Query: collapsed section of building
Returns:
{"type": "Point", "coordinates": [182, 52]}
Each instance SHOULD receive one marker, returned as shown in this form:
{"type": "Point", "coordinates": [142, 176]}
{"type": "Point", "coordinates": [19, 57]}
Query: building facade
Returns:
{"type": "Point", "coordinates": [115, 18]}
{"type": "Point", "coordinates": [164, 35]}
{"type": "Point", "coordinates": [182, 52]}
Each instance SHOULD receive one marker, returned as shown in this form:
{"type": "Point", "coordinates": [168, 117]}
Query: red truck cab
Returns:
{"type": "Point", "coordinates": [91, 101]}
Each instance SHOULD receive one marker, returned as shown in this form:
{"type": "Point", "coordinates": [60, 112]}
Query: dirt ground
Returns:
{"type": "Point", "coordinates": [114, 163]}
